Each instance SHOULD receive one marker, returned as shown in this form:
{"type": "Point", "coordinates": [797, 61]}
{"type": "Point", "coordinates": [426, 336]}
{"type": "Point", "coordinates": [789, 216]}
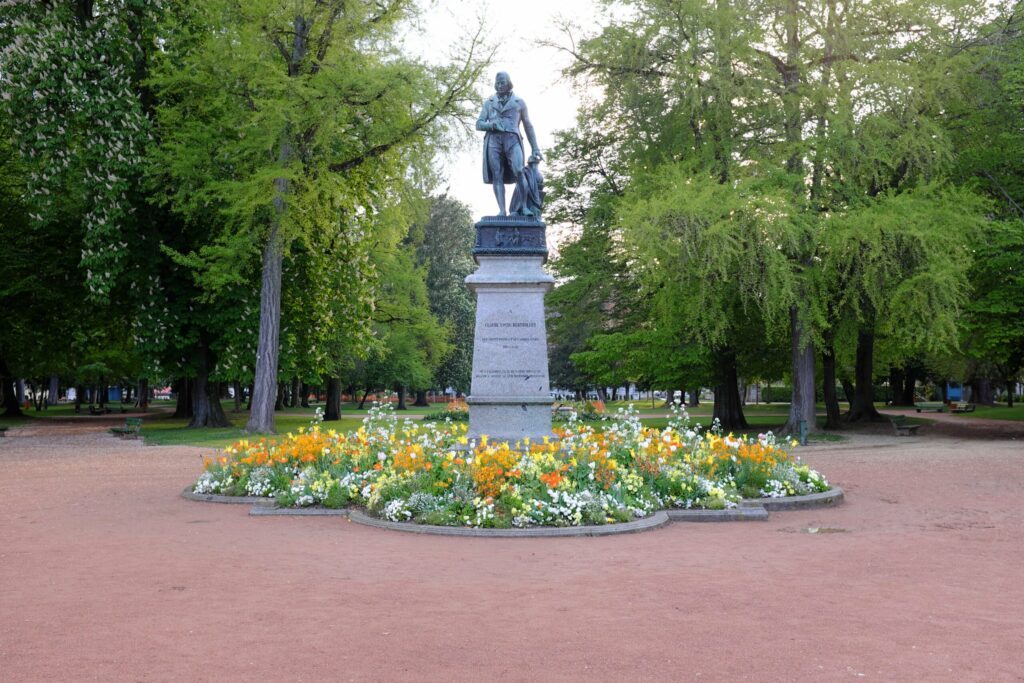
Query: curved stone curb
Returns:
{"type": "Point", "coordinates": [656, 520]}
{"type": "Point", "coordinates": [747, 513]}
{"type": "Point", "coordinates": [231, 500]}
{"type": "Point", "coordinates": [833, 496]}
{"type": "Point", "coordinates": [269, 511]}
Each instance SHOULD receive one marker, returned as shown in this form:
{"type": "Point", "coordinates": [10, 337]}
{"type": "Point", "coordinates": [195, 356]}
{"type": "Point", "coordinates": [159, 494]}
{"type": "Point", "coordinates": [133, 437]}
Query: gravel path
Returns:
{"type": "Point", "coordinates": [106, 573]}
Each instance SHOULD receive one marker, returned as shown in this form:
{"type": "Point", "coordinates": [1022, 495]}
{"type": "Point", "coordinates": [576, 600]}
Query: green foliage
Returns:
{"type": "Point", "coordinates": [749, 159]}
{"type": "Point", "coordinates": [412, 342]}
{"type": "Point", "coordinates": [70, 89]}
{"type": "Point", "coordinates": [903, 260]}
{"type": "Point", "coordinates": [444, 247]}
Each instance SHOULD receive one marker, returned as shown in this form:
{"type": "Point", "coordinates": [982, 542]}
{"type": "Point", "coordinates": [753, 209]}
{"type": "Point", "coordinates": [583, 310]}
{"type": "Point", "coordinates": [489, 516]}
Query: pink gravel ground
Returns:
{"type": "Point", "coordinates": [106, 573]}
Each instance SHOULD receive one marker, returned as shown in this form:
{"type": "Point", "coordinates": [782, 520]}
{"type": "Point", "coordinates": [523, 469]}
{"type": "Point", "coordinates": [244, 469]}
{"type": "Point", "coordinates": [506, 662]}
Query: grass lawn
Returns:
{"type": "Point", "coordinates": [703, 409]}
{"type": "Point", "coordinates": [171, 432]}
{"type": "Point", "coordinates": [998, 412]}
{"type": "Point", "coordinates": [346, 408]}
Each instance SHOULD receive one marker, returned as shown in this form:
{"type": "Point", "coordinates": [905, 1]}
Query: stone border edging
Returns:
{"type": "Point", "coordinates": [749, 510]}
{"type": "Point", "coordinates": [271, 510]}
{"type": "Point", "coordinates": [746, 513]}
{"type": "Point", "coordinates": [652, 522]}
{"type": "Point", "coordinates": [229, 500]}
{"type": "Point", "coordinates": [833, 496]}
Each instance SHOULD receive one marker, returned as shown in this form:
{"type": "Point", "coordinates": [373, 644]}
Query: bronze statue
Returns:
{"type": "Point", "coordinates": [503, 149]}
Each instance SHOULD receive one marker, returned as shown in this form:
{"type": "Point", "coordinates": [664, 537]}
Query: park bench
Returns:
{"type": "Point", "coordinates": [933, 406]}
{"type": "Point", "coordinates": [902, 427]}
{"type": "Point", "coordinates": [97, 410]}
{"type": "Point", "coordinates": [132, 427]}
{"type": "Point", "coordinates": [962, 407]}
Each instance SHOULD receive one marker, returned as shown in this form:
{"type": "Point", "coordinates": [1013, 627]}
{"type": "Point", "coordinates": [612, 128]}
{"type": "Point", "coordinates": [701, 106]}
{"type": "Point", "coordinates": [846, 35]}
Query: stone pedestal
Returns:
{"type": "Point", "coordinates": [510, 397]}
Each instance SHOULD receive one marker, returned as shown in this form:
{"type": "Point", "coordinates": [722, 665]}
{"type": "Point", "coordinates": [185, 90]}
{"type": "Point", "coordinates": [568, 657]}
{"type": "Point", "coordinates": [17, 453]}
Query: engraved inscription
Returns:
{"type": "Point", "coordinates": [506, 374]}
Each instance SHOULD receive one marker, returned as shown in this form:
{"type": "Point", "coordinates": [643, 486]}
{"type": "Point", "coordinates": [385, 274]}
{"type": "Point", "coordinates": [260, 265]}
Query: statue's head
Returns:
{"type": "Point", "coordinates": [502, 83]}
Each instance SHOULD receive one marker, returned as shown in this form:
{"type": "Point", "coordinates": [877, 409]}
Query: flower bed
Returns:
{"type": "Point", "coordinates": [432, 474]}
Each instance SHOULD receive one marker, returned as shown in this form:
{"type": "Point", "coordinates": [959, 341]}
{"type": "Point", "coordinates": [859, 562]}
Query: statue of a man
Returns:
{"type": "Point", "coordinates": [503, 146]}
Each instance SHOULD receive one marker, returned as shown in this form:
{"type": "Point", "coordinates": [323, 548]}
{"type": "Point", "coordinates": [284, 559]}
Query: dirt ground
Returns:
{"type": "Point", "coordinates": [106, 573]}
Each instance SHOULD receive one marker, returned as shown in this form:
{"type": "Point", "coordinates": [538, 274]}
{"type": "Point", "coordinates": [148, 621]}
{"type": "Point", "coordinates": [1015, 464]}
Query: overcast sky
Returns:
{"type": "Point", "coordinates": [536, 72]}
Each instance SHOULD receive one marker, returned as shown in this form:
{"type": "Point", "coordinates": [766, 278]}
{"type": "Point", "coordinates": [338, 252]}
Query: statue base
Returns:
{"type": "Point", "coordinates": [510, 395]}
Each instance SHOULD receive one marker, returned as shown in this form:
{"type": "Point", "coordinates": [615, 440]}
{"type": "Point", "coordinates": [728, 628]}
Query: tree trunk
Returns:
{"type": "Point", "coordinates": [694, 397]}
{"type": "Point", "coordinates": [910, 373]}
{"type": "Point", "coordinates": [944, 391]}
{"type": "Point", "coordinates": [11, 406]}
{"type": "Point", "coordinates": [847, 393]}
{"type": "Point", "coordinates": [365, 394]}
{"type": "Point", "coordinates": [144, 395]}
{"type": "Point", "coordinates": [237, 386]}
{"type": "Point", "coordinates": [421, 399]}
{"type": "Point", "coordinates": [802, 405]}
{"type": "Point", "coordinates": [79, 393]}
{"type": "Point", "coordinates": [101, 393]}
{"type": "Point", "coordinates": [54, 390]}
{"type": "Point", "coordinates": [304, 398]}
{"type": "Point", "coordinates": [896, 386]}
{"type": "Point", "coordinates": [862, 408]}
{"type": "Point", "coordinates": [183, 408]}
{"type": "Point", "coordinates": [248, 400]}
{"type": "Point", "coordinates": [982, 391]}
{"type": "Point", "coordinates": [279, 403]}
{"type": "Point", "coordinates": [833, 418]}
{"type": "Point", "coordinates": [38, 396]}
{"type": "Point", "coordinates": [728, 410]}
{"type": "Point", "coordinates": [294, 393]}
{"type": "Point", "coordinates": [261, 416]}
{"type": "Point", "coordinates": [333, 411]}
{"type": "Point", "coordinates": [206, 408]}
{"type": "Point", "coordinates": [1009, 393]}
{"type": "Point", "coordinates": [265, 384]}
{"type": "Point", "coordinates": [401, 398]}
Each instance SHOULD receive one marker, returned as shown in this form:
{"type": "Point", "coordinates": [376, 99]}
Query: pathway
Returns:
{"type": "Point", "coordinates": [107, 573]}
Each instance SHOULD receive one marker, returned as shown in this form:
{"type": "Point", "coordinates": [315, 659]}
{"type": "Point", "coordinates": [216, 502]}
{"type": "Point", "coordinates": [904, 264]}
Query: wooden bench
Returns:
{"type": "Point", "coordinates": [902, 427]}
{"type": "Point", "coordinates": [97, 410]}
{"type": "Point", "coordinates": [933, 406]}
{"type": "Point", "coordinates": [132, 427]}
{"type": "Point", "coordinates": [962, 407]}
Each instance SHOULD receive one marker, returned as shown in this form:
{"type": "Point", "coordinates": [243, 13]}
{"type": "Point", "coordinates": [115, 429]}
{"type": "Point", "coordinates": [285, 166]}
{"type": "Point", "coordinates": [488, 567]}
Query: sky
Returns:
{"type": "Point", "coordinates": [516, 26]}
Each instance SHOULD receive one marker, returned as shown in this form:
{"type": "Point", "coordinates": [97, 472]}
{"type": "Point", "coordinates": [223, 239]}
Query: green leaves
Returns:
{"type": "Point", "coordinates": [69, 90]}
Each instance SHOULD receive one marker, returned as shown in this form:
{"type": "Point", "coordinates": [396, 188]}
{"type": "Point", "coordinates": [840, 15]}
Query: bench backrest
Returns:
{"type": "Point", "coordinates": [133, 421]}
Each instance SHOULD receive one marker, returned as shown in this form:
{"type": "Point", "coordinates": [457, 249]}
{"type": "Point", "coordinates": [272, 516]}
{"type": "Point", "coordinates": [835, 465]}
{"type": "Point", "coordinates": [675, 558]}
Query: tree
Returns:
{"type": "Point", "coordinates": [291, 119]}
{"type": "Point", "coordinates": [70, 77]}
{"type": "Point", "coordinates": [824, 105]}
{"type": "Point", "coordinates": [411, 341]}
{"type": "Point", "coordinates": [445, 250]}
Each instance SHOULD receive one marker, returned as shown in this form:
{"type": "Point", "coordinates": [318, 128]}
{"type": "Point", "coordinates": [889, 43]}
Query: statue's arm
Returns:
{"type": "Point", "coordinates": [530, 135]}
{"type": "Point", "coordinates": [482, 123]}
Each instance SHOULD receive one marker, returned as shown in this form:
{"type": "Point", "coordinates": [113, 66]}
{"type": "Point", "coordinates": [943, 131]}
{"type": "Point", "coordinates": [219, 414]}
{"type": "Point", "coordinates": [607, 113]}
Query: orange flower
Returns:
{"type": "Point", "coordinates": [551, 479]}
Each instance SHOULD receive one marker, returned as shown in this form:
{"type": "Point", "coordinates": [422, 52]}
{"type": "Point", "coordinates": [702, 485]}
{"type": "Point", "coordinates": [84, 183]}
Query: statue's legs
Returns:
{"type": "Point", "coordinates": [503, 151]}
{"type": "Point", "coordinates": [499, 191]}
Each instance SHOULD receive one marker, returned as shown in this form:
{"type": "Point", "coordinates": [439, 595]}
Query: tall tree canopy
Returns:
{"type": "Point", "coordinates": [288, 120]}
